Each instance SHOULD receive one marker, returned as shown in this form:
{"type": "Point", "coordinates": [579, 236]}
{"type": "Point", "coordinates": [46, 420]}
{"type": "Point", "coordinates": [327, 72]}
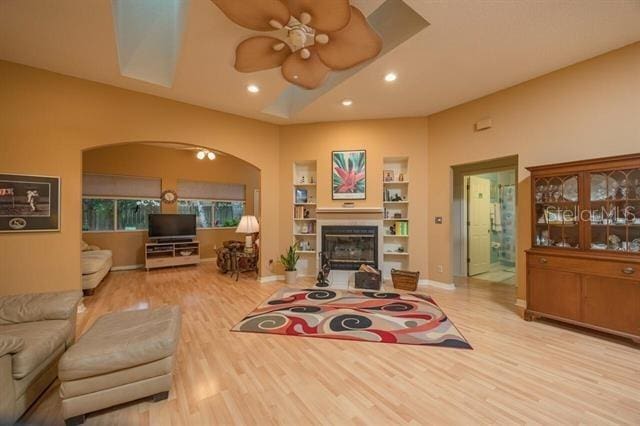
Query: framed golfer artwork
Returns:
{"type": "Point", "coordinates": [349, 175]}
{"type": "Point", "coordinates": [29, 203]}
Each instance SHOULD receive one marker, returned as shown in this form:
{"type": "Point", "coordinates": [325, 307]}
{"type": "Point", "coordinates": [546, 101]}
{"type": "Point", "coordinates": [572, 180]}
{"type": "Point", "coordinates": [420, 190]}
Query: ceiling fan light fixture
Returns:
{"type": "Point", "coordinates": [278, 47]}
{"type": "Point", "coordinates": [305, 18]}
{"type": "Point", "coordinates": [304, 53]}
{"type": "Point", "coordinates": [275, 24]}
{"type": "Point", "coordinates": [347, 102]}
{"type": "Point", "coordinates": [252, 88]}
{"type": "Point", "coordinates": [322, 38]}
{"type": "Point", "coordinates": [391, 76]}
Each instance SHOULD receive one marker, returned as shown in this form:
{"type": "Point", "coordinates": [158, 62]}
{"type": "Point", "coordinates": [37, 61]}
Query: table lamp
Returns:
{"type": "Point", "coordinates": [248, 225]}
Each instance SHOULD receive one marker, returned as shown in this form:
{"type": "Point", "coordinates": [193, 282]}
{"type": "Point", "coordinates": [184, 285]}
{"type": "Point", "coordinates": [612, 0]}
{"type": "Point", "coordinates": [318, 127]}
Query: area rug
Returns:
{"type": "Point", "coordinates": [405, 318]}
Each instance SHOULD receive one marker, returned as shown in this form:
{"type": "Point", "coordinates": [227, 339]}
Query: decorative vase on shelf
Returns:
{"type": "Point", "coordinates": [290, 276]}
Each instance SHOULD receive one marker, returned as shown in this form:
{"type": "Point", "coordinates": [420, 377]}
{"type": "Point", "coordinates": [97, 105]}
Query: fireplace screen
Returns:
{"type": "Point", "coordinates": [348, 247]}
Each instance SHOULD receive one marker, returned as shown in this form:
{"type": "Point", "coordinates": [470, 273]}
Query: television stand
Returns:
{"type": "Point", "coordinates": [174, 253]}
{"type": "Point", "coordinates": [172, 240]}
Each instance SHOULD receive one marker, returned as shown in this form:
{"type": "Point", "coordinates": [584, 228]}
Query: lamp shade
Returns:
{"type": "Point", "coordinates": [248, 225]}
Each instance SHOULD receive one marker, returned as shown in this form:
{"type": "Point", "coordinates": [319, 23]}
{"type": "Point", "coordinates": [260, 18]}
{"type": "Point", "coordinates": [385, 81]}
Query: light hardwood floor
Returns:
{"type": "Point", "coordinates": [519, 372]}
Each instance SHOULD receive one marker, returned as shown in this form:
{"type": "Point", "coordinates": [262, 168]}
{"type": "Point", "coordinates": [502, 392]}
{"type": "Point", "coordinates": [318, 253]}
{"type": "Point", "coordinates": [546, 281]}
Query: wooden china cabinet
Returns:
{"type": "Point", "coordinates": [584, 264]}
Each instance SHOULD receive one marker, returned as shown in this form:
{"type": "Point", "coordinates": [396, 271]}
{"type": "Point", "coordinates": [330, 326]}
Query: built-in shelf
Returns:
{"type": "Point", "coordinates": [395, 249]}
{"type": "Point", "coordinates": [304, 188]}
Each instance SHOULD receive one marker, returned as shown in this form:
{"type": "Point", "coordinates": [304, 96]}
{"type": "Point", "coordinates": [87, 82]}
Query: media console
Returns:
{"type": "Point", "coordinates": [175, 253]}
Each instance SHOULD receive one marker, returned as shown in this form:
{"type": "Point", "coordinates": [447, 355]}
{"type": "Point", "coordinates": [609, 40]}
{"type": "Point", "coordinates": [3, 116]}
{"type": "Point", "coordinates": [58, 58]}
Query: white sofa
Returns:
{"type": "Point", "coordinates": [96, 264]}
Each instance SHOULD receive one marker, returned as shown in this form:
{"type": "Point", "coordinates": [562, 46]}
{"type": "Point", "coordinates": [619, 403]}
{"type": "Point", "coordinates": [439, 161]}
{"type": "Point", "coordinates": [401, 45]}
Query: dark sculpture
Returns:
{"type": "Point", "coordinates": [325, 268]}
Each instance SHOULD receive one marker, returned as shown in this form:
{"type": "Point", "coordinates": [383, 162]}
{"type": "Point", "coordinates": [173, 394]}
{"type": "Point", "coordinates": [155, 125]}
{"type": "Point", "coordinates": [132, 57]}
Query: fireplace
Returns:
{"type": "Point", "coordinates": [348, 247]}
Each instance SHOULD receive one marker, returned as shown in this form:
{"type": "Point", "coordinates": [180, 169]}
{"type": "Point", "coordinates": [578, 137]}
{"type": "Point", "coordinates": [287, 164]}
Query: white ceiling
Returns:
{"type": "Point", "coordinates": [470, 49]}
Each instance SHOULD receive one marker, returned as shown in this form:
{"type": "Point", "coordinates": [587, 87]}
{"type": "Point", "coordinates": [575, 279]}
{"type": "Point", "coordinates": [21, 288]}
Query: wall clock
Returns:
{"type": "Point", "coordinates": [169, 196]}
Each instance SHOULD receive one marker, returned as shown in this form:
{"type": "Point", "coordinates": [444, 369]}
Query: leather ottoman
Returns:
{"type": "Point", "coordinates": [123, 357]}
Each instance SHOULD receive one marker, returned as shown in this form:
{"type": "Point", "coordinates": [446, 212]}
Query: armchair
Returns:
{"type": "Point", "coordinates": [35, 330]}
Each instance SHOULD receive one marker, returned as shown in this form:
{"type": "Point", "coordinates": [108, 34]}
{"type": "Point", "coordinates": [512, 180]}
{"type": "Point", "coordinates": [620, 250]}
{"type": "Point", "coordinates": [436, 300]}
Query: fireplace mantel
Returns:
{"type": "Point", "coordinates": [349, 210]}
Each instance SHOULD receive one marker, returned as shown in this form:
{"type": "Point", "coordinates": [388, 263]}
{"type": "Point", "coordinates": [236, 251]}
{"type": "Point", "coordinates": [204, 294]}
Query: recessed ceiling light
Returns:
{"type": "Point", "coordinates": [347, 102]}
{"type": "Point", "coordinates": [390, 77]}
{"type": "Point", "coordinates": [211, 155]}
{"type": "Point", "coordinates": [253, 88]}
{"type": "Point", "coordinates": [201, 154]}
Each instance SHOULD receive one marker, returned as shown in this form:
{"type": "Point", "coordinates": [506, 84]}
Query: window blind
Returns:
{"type": "Point", "coordinates": [121, 186]}
{"type": "Point", "coordinates": [210, 190]}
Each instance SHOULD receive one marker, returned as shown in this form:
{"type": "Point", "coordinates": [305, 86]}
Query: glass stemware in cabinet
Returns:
{"type": "Point", "coordinates": [614, 210]}
{"type": "Point", "coordinates": [556, 210]}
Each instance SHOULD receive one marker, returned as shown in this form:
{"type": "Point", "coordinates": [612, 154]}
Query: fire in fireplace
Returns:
{"type": "Point", "coordinates": [348, 247]}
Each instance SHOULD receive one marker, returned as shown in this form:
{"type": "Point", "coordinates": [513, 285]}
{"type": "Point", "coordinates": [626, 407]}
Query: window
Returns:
{"type": "Point", "coordinates": [98, 214]}
{"type": "Point", "coordinates": [203, 209]}
{"type": "Point", "coordinates": [213, 214]}
{"type": "Point", "coordinates": [134, 214]}
{"type": "Point", "coordinates": [228, 213]}
{"type": "Point", "coordinates": [107, 214]}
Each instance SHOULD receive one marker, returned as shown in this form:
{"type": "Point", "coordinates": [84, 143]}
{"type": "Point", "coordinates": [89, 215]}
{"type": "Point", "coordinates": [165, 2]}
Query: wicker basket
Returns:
{"type": "Point", "coordinates": [405, 280]}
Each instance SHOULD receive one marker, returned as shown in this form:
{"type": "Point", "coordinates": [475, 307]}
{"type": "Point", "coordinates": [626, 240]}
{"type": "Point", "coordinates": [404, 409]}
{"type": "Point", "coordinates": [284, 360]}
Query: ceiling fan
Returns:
{"type": "Point", "coordinates": [319, 36]}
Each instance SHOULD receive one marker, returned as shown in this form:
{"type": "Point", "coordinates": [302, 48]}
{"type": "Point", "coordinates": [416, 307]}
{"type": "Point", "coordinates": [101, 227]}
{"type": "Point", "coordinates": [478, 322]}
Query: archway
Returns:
{"type": "Point", "coordinates": [122, 183]}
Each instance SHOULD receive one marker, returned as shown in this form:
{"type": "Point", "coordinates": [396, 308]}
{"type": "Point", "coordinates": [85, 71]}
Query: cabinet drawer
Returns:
{"type": "Point", "coordinates": [609, 268]}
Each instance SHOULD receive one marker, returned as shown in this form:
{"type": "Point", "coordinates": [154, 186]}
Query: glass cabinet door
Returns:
{"type": "Point", "coordinates": [557, 212]}
{"type": "Point", "coordinates": [615, 211]}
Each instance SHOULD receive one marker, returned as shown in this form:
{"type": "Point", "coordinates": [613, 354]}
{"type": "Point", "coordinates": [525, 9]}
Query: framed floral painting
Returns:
{"type": "Point", "coordinates": [349, 175]}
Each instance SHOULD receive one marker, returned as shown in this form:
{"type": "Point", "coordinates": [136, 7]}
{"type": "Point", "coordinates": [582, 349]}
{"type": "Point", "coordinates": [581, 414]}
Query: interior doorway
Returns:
{"type": "Point", "coordinates": [485, 220]}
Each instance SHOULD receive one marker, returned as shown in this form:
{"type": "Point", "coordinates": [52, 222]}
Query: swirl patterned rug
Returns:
{"type": "Point", "coordinates": [406, 318]}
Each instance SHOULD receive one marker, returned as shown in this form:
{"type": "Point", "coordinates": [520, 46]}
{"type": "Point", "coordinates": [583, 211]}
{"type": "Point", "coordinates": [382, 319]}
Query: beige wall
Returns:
{"type": "Point", "coordinates": [170, 165]}
{"type": "Point", "coordinates": [588, 110]}
{"type": "Point", "coordinates": [380, 138]}
{"type": "Point", "coordinates": [47, 120]}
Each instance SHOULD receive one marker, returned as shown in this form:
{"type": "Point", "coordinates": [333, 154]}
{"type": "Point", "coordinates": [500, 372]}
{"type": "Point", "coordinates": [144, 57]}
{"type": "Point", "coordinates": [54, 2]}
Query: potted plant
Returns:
{"type": "Point", "coordinates": [289, 261]}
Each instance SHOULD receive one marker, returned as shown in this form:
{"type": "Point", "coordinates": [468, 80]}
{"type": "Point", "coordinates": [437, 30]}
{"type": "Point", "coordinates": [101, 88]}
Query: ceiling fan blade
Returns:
{"type": "Point", "coordinates": [307, 73]}
{"type": "Point", "coordinates": [352, 45]}
{"type": "Point", "coordinates": [326, 15]}
{"type": "Point", "coordinates": [258, 53]}
{"type": "Point", "coordinates": [255, 14]}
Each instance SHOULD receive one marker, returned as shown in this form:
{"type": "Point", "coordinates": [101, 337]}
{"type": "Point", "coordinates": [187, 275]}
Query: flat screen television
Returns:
{"type": "Point", "coordinates": [172, 226]}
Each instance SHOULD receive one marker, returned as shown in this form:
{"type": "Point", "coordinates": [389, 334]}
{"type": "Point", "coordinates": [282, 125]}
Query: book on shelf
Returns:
{"type": "Point", "coordinates": [402, 227]}
{"type": "Point", "coordinates": [300, 212]}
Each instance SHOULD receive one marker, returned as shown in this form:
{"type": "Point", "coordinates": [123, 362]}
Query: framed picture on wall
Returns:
{"type": "Point", "coordinates": [349, 175]}
{"type": "Point", "coordinates": [29, 203]}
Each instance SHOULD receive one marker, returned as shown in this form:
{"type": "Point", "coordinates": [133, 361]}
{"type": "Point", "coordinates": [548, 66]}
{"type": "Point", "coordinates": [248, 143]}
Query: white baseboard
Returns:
{"type": "Point", "coordinates": [271, 278]}
{"type": "Point", "coordinates": [126, 268]}
{"type": "Point", "coordinates": [521, 303]}
{"type": "Point", "coordinates": [436, 284]}
{"type": "Point", "coordinates": [140, 266]}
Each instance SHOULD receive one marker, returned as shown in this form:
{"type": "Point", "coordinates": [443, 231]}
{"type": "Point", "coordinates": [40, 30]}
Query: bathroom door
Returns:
{"type": "Point", "coordinates": [478, 225]}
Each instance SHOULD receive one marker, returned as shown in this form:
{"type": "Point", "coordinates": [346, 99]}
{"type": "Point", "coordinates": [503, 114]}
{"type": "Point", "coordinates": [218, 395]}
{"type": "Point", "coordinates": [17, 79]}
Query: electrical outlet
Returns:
{"type": "Point", "coordinates": [440, 268]}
